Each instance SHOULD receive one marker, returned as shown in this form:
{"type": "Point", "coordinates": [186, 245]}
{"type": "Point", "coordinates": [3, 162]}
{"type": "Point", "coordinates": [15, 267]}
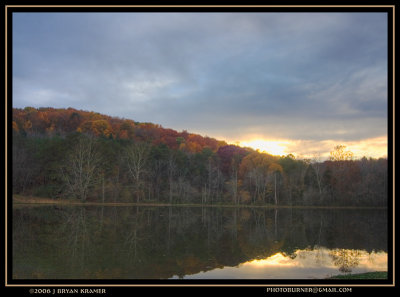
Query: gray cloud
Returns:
{"type": "Point", "coordinates": [304, 76]}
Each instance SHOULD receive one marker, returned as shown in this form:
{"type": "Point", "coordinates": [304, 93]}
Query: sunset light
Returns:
{"type": "Point", "coordinates": [303, 264]}
{"type": "Point", "coordinates": [325, 258]}
{"type": "Point", "coordinates": [371, 147]}
{"type": "Point", "coordinates": [273, 147]}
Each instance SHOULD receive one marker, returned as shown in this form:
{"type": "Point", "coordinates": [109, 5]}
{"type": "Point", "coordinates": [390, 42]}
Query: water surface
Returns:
{"type": "Point", "coordinates": [104, 242]}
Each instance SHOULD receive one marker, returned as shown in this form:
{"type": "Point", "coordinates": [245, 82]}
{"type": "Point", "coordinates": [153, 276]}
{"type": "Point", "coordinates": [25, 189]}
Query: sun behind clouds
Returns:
{"type": "Point", "coordinates": [273, 147]}
{"type": "Point", "coordinates": [372, 147]}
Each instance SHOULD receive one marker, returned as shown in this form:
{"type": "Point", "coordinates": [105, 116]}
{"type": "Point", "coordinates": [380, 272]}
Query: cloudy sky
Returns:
{"type": "Point", "coordinates": [286, 82]}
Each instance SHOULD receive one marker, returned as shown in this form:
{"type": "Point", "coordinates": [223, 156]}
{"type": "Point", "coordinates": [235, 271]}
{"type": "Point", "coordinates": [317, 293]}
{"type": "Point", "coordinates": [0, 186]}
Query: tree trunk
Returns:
{"type": "Point", "coordinates": [275, 197]}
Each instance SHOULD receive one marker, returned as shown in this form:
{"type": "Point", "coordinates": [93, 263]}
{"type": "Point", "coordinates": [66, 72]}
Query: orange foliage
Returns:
{"type": "Point", "coordinates": [97, 127]}
{"type": "Point", "coordinates": [255, 160]}
{"type": "Point", "coordinates": [52, 120]}
{"type": "Point", "coordinates": [15, 126]}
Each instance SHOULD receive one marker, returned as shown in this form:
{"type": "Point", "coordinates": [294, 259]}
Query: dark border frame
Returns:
{"type": "Point", "coordinates": [389, 9]}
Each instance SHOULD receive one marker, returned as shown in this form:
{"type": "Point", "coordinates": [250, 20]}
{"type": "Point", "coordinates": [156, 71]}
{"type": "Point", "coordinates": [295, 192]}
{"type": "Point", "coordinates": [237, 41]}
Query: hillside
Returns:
{"type": "Point", "coordinates": [84, 155]}
{"type": "Point", "coordinates": [51, 121]}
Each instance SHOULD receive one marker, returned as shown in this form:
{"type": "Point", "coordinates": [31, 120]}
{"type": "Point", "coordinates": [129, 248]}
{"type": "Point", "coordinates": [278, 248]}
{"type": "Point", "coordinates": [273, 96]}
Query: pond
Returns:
{"type": "Point", "coordinates": [132, 242]}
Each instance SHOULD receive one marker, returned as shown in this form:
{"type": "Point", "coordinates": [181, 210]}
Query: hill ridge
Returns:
{"type": "Point", "coordinates": [51, 121]}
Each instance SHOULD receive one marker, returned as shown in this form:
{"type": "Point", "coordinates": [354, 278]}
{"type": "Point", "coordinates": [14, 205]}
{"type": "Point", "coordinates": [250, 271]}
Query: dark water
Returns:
{"type": "Point", "coordinates": [104, 242]}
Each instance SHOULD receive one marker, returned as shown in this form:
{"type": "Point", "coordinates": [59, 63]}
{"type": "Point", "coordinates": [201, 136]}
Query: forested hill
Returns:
{"type": "Point", "coordinates": [51, 121]}
{"type": "Point", "coordinates": [74, 154]}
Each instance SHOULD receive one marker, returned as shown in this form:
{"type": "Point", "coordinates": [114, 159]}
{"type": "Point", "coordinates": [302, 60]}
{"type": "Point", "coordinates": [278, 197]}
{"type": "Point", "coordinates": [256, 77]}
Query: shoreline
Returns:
{"type": "Point", "coordinates": [365, 275]}
{"type": "Point", "coordinates": [30, 200]}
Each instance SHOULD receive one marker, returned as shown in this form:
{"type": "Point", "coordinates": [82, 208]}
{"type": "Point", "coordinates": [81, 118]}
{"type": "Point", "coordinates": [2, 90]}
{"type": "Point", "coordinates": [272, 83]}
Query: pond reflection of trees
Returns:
{"type": "Point", "coordinates": [159, 242]}
{"type": "Point", "coordinates": [345, 259]}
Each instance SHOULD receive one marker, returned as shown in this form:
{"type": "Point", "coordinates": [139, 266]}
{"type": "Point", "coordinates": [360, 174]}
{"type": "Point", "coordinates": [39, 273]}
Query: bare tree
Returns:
{"type": "Point", "coordinates": [316, 165]}
{"type": "Point", "coordinates": [275, 168]}
{"type": "Point", "coordinates": [214, 183]}
{"type": "Point", "coordinates": [22, 169]}
{"type": "Point", "coordinates": [234, 177]}
{"type": "Point", "coordinates": [136, 159]}
{"type": "Point", "coordinates": [81, 168]}
{"type": "Point", "coordinates": [171, 169]}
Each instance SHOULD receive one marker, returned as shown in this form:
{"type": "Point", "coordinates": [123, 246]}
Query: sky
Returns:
{"type": "Point", "coordinates": [297, 83]}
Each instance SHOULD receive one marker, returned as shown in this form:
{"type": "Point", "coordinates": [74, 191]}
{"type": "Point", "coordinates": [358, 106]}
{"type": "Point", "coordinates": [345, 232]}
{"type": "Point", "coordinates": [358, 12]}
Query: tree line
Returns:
{"type": "Point", "coordinates": [67, 153]}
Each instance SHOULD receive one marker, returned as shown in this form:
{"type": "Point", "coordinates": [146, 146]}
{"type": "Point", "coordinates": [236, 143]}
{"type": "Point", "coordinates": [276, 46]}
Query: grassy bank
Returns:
{"type": "Point", "coordinates": [20, 199]}
{"type": "Point", "coordinates": [367, 275]}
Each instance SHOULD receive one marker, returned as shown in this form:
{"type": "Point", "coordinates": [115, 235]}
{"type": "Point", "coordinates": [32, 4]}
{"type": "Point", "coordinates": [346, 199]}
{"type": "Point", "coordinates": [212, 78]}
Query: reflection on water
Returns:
{"type": "Point", "coordinates": [98, 242]}
{"type": "Point", "coordinates": [302, 264]}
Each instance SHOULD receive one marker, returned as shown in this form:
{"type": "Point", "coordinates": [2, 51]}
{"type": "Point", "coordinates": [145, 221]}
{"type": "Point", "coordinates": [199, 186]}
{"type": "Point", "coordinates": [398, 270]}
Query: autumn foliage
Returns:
{"type": "Point", "coordinates": [86, 155]}
{"type": "Point", "coordinates": [51, 121]}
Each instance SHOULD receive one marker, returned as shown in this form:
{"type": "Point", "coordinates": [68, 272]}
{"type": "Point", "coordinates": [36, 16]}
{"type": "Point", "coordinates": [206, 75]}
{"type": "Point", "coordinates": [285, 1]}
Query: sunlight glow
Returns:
{"type": "Point", "coordinates": [276, 260]}
{"type": "Point", "coordinates": [273, 147]}
{"type": "Point", "coordinates": [319, 262]}
{"type": "Point", "coordinates": [324, 257]}
{"type": "Point", "coordinates": [372, 147]}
